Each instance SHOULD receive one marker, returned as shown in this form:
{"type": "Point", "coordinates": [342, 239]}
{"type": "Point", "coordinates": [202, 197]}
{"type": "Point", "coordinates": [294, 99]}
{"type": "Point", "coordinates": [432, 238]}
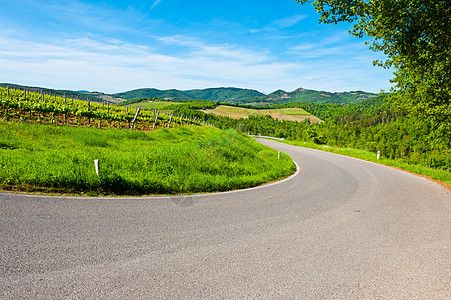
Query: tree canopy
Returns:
{"type": "Point", "coordinates": [415, 36]}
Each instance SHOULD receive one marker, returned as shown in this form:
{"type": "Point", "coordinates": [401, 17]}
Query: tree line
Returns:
{"type": "Point", "coordinates": [372, 125]}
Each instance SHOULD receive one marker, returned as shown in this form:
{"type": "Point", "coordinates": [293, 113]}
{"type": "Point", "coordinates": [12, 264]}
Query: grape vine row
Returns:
{"type": "Point", "coordinates": [31, 106]}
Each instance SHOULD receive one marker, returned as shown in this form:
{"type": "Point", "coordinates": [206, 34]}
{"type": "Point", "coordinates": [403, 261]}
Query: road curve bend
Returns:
{"type": "Point", "coordinates": [342, 228]}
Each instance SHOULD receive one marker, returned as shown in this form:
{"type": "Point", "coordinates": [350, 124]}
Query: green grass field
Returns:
{"type": "Point", "coordinates": [291, 114]}
{"type": "Point", "coordinates": [150, 105]}
{"type": "Point", "coordinates": [191, 159]}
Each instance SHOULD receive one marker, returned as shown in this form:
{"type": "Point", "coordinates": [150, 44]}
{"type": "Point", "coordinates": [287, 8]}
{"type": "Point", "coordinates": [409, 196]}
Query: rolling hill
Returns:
{"type": "Point", "coordinates": [288, 114]}
{"type": "Point", "coordinates": [248, 96]}
{"type": "Point", "coordinates": [230, 95]}
{"type": "Point", "coordinates": [222, 94]}
{"type": "Point", "coordinates": [321, 97]}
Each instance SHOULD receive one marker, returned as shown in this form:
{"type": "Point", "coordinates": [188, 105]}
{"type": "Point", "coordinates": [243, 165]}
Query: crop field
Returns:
{"type": "Point", "coordinates": [289, 114]}
{"type": "Point", "coordinates": [188, 159]}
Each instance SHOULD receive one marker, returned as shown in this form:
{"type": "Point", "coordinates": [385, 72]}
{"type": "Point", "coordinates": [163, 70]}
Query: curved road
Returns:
{"type": "Point", "coordinates": [340, 229]}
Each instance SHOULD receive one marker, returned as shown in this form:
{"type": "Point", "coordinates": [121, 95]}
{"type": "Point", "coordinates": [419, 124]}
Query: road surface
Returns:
{"type": "Point", "coordinates": [341, 228]}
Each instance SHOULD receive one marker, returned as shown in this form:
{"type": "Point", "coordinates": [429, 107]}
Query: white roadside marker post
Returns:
{"type": "Point", "coordinates": [378, 155]}
{"type": "Point", "coordinates": [278, 156]}
{"type": "Point", "coordinates": [96, 165]}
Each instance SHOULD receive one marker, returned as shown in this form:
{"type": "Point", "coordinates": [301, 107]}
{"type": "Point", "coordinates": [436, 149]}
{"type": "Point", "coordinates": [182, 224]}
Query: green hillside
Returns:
{"type": "Point", "coordinates": [154, 93]}
{"type": "Point", "coordinates": [248, 96]}
{"type": "Point", "coordinates": [320, 97]}
{"type": "Point", "coordinates": [230, 95]}
{"type": "Point", "coordinates": [224, 94]}
{"type": "Point", "coordinates": [215, 94]}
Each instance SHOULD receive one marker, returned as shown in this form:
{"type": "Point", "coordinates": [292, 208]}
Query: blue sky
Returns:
{"type": "Point", "coordinates": [115, 46]}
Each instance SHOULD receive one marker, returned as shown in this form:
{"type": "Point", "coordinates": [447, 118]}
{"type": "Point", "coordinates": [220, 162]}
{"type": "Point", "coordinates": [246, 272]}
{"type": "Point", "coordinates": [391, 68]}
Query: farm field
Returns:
{"type": "Point", "coordinates": [187, 159]}
{"type": "Point", "coordinates": [38, 107]}
{"type": "Point", "coordinates": [289, 114]}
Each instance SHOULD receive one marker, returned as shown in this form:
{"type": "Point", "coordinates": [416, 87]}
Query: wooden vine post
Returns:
{"type": "Point", "coordinates": [128, 120]}
{"type": "Point", "coordinates": [156, 118]}
{"type": "Point", "coordinates": [134, 119]}
{"type": "Point", "coordinates": [170, 119]}
{"type": "Point", "coordinates": [31, 110]}
{"type": "Point", "coordinates": [89, 109]}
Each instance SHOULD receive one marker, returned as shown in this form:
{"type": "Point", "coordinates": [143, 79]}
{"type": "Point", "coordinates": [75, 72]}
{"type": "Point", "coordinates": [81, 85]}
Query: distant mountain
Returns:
{"type": "Point", "coordinates": [278, 95]}
{"type": "Point", "coordinates": [154, 93]}
{"type": "Point", "coordinates": [312, 96]}
{"type": "Point", "coordinates": [223, 94]}
{"type": "Point", "coordinates": [217, 94]}
{"type": "Point", "coordinates": [247, 96]}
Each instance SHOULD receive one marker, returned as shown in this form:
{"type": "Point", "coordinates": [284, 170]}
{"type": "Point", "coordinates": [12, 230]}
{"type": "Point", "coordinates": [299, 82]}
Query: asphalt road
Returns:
{"type": "Point", "coordinates": [340, 229]}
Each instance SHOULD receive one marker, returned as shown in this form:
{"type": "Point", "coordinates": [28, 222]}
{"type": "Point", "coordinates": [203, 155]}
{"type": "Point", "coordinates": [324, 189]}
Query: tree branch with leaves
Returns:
{"type": "Point", "coordinates": [415, 36]}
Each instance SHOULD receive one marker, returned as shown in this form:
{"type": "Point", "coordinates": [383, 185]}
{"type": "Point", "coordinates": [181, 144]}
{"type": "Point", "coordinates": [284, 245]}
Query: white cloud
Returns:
{"type": "Point", "coordinates": [197, 48]}
{"type": "Point", "coordinates": [111, 65]}
{"type": "Point", "coordinates": [280, 24]}
{"type": "Point", "coordinates": [288, 22]}
{"type": "Point", "coordinates": [77, 45]}
{"type": "Point", "coordinates": [337, 63]}
{"type": "Point", "coordinates": [155, 3]}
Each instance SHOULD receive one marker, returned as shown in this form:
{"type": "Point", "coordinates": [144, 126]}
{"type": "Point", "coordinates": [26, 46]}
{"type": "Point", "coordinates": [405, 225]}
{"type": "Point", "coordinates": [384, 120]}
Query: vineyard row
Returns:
{"type": "Point", "coordinates": [42, 108]}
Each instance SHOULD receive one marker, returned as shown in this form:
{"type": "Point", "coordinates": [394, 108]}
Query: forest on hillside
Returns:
{"type": "Point", "coordinates": [372, 125]}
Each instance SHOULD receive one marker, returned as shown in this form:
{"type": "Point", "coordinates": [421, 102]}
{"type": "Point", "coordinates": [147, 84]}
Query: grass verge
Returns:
{"type": "Point", "coordinates": [192, 159]}
{"type": "Point", "coordinates": [443, 176]}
